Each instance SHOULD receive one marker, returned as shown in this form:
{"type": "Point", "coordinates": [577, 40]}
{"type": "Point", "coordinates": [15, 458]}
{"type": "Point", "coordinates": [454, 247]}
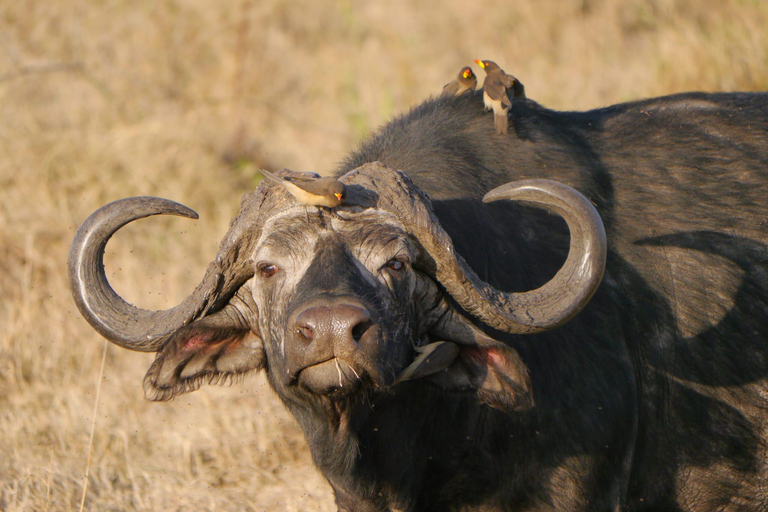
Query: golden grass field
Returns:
{"type": "Point", "coordinates": [186, 99]}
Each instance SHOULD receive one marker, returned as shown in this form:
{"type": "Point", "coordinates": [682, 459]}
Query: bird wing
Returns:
{"type": "Point", "coordinates": [319, 186]}
{"type": "Point", "coordinates": [450, 89]}
{"type": "Point", "coordinates": [494, 89]}
{"type": "Point", "coordinates": [497, 92]}
{"type": "Point", "coordinates": [302, 178]}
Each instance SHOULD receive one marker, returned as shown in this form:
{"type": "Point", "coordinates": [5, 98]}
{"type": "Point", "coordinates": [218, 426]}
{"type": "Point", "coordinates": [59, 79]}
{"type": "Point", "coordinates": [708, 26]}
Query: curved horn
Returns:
{"type": "Point", "coordinates": [560, 298]}
{"type": "Point", "coordinates": [570, 290]}
{"type": "Point", "coordinates": [534, 311]}
{"type": "Point", "coordinates": [148, 331]}
{"type": "Point", "coordinates": [107, 312]}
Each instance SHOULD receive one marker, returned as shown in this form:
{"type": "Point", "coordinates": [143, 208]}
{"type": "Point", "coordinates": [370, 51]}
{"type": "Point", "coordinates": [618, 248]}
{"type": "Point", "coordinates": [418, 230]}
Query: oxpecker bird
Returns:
{"type": "Point", "coordinates": [495, 94]}
{"type": "Point", "coordinates": [312, 191]}
{"type": "Point", "coordinates": [466, 81]}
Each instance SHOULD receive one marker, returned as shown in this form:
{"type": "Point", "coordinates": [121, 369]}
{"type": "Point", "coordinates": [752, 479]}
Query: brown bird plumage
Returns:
{"type": "Point", "coordinates": [495, 94]}
{"type": "Point", "coordinates": [311, 190]}
{"type": "Point", "coordinates": [466, 81]}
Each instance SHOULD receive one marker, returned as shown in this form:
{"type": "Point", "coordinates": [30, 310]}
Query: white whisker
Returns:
{"type": "Point", "coordinates": [338, 370]}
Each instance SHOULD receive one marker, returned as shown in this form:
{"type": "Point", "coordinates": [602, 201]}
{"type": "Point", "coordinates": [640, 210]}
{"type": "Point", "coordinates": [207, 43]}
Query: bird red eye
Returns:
{"type": "Point", "coordinates": [268, 269]}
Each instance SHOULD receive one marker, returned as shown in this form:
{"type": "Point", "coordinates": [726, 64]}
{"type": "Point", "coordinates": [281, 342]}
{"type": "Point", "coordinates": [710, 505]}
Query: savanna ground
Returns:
{"type": "Point", "coordinates": [187, 99]}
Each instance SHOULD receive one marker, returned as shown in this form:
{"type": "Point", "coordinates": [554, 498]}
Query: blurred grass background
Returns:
{"type": "Point", "coordinates": [103, 99]}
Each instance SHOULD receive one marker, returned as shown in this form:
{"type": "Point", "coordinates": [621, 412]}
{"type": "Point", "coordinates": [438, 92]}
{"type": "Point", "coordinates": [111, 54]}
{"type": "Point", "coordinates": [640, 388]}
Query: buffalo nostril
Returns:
{"type": "Point", "coordinates": [305, 332]}
{"type": "Point", "coordinates": [360, 329]}
{"type": "Point", "coordinates": [324, 325]}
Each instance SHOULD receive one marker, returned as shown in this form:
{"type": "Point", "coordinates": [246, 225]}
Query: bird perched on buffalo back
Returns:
{"type": "Point", "coordinates": [495, 94]}
{"type": "Point", "coordinates": [312, 190]}
{"type": "Point", "coordinates": [466, 81]}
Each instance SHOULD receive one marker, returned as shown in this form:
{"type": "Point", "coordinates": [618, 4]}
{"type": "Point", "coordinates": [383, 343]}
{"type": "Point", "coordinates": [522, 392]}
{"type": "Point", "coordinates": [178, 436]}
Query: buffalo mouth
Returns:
{"type": "Point", "coordinates": [333, 378]}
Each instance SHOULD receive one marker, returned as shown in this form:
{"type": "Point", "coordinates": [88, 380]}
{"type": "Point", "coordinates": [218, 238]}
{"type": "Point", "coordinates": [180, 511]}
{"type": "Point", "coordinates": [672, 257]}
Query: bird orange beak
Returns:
{"type": "Point", "coordinates": [338, 195]}
{"type": "Point", "coordinates": [480, 63]}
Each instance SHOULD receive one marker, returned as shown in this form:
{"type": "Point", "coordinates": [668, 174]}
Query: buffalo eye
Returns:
{"type": "Point", "coordinates": [267, 269]}
{"type": "Point", "coordinates": [396, 264]}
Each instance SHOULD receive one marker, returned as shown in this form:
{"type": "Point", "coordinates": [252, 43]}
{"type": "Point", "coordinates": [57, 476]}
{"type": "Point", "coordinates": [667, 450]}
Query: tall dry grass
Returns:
{"type": "Point", "coordinates": [184, 99]}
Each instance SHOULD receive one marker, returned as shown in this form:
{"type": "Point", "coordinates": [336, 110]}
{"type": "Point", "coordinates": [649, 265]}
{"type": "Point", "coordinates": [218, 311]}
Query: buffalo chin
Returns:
{"type": "Point", "coordinates": [332, 378]}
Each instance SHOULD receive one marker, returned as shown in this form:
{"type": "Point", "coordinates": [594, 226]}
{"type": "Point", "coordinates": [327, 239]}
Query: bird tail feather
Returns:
{"type": "Point", "coordinates": [501, 122]}
{"type": "Point", "coordinates": [271, 176]}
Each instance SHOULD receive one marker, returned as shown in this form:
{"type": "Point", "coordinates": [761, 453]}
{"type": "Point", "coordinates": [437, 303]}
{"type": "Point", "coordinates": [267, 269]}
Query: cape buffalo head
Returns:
{"type": "Point", "coordinates": [341, 303]}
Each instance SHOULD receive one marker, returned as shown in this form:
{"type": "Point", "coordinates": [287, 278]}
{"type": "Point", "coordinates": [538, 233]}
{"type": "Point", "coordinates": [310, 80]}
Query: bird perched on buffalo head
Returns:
{"type": "Point", "coordinates": [495, 94]}
{"type": "Point", "coordinates": [312, 190]}
{"type": "Point", "coordinates": [466, 81]}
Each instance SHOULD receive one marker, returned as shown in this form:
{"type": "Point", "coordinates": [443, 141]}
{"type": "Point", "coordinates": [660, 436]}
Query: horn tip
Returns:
{"type": "Point", "coordinates": [187, 212]}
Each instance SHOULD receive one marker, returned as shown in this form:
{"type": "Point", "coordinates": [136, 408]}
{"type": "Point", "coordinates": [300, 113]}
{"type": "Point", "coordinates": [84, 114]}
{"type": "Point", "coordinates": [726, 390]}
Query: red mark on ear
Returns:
{"type": "Point", "coordinates": [494, 356]}
{"type": "Point", "coordinates": [484, 356]}
{"type": "Point", "coordinates": [195, 341]}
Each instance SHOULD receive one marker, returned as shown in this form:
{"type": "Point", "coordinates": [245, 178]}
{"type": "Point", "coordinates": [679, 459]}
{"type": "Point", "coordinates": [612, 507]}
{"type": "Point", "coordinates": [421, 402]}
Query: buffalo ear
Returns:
{"type": "Point", "coordinates": [472, 361]}
{"type": "Point", "coordinates": [496, 374]}
{"type": "Point", "coordinates": [212, 350]}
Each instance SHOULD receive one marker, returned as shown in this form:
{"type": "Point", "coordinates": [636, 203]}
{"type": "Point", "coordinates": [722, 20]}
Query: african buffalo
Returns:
{"type": "Point", "coordinates": [421, 386]}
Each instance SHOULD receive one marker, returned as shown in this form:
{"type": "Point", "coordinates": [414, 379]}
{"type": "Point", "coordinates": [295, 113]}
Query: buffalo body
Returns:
{"type": "Point", "coordinates": [652, 397]}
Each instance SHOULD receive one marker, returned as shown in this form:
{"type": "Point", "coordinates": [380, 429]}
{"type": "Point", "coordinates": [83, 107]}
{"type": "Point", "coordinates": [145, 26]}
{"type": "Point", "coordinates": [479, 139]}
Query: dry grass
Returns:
{"type": "Point", "coordinates": [105, 99]}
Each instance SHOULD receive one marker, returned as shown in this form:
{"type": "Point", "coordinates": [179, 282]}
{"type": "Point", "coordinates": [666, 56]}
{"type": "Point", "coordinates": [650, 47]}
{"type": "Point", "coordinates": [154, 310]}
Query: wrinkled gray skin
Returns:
{"type": "Point", "coordinates": [343, 308]}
